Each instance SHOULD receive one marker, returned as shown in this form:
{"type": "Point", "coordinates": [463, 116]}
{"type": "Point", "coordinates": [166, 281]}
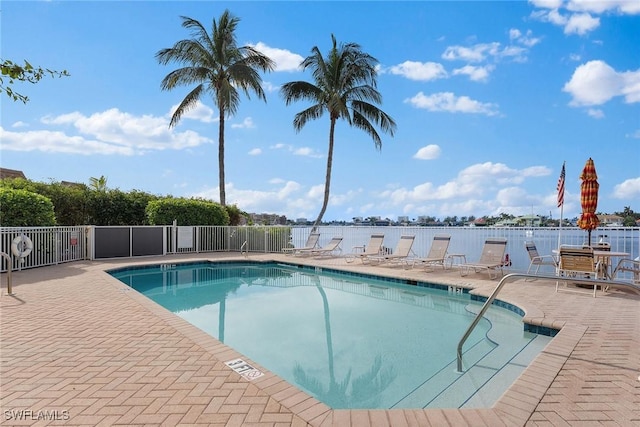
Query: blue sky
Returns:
{"type": "Point", "coordinates": [490, 98]}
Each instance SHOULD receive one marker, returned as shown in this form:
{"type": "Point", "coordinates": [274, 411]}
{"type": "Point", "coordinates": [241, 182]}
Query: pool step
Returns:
{"type": "Point", "coordinates": [491, 366]}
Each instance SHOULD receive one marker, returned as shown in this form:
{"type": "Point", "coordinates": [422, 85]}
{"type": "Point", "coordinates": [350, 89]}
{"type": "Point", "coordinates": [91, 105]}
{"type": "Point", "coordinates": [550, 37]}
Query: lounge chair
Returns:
{"type": "Point", "coordinates": [399, 255]}
{"type": "Point", "coordinates": [628, 269]}
{"type": "Point", "coordinates": [437, 253]}
{"type": "Point", "coordinates": [374, 247]}
{"type": "Point", "coordinates": [491, 259]}
{"type": "Point", "coordinates": [312, 243]}
{"type": "Point", "coordinates": [538, 260]}
{"type": "Point", "coordinates": [330, 249]}
{"type": "Point", "coordinates": [577, 263]}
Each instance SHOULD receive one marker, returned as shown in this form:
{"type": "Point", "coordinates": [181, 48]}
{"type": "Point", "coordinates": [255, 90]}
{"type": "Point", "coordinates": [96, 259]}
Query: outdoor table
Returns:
{"type": "Point", "coordinates": [462, 259]}
{"type": "Point", "coordinates": [606, 256]}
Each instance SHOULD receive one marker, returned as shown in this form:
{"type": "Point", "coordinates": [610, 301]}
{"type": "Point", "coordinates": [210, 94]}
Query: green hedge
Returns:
{"type": "Point", "coordinates": [186, 212]}
{"type": "Point", "coordinates": [22, 208]}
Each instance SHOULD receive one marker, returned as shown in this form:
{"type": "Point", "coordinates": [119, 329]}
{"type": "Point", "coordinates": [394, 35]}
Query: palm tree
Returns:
{"type": "Point", "coordinates": [98, 184]}
{"type": "Point", "coordinates": [217, 65]}
{"type": "Point", "coordinates": [345, 88]}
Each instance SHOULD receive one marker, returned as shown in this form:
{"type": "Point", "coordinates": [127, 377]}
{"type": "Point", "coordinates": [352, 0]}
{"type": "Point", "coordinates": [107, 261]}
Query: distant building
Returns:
{"type": "Point", "coordinates": [403, 219]}
{"type": "Point", "coordinates": [301, 221]}
{"type": "Point", "coordinates": [611, 220]}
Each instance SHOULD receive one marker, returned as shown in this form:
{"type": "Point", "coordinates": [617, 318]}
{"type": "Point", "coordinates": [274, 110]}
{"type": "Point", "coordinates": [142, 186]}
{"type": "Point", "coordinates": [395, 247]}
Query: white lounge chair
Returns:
{"type": "Point", "coordinates": [312, 243]}
{"type": "Point", "coordinates": [330, 249]}
{"type": "Point", "coordinates": [538, 260]}
{"type": "Point", "coordinates": [491, 259]}
{"type": "Point", "coordinates": [437, 253]}
{"type": "Point", "coordinates": [374, 247]}
{"type": "Point", "coordinates": [399, 255]}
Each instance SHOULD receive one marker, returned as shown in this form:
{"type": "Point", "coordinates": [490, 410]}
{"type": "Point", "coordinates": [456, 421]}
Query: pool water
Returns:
{"type": "Point", "coordinates": [348, 340]}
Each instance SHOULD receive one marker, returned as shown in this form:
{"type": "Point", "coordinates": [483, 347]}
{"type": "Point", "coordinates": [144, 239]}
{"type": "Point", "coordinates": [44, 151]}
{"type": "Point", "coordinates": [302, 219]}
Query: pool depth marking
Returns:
{"type": "Point", "coordinates": [244, 369]}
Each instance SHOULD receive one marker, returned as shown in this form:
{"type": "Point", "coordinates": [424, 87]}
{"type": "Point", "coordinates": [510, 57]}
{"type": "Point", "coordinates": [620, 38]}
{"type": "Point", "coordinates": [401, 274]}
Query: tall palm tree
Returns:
{"type": "Point", "coordinates": [217, 65]}
{"type": "Point", "coordinates": [345, 87]}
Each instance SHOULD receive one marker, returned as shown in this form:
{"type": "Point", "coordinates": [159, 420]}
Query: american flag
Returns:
{"type": "Point", "coordinates": [561, 187]}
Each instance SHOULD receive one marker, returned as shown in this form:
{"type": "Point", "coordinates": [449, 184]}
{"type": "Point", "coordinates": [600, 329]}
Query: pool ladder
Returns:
{"type": "Point", "coordinates": [243, 249]}
{"type": "Point", "coordinates": [508, 277]}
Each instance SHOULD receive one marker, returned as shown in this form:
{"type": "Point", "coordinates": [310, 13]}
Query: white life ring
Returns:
{"type": "Point", "coordinates": [21, 246]}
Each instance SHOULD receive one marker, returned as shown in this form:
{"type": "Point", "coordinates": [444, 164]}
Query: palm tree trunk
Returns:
{"type": "Point", "coordinates": [327, 180]}
{"type": "Point", "coordinates": [223, 195]}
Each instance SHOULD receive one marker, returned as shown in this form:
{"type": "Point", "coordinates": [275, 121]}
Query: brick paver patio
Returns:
{"type": "Point", "coordinates": [80, 348]}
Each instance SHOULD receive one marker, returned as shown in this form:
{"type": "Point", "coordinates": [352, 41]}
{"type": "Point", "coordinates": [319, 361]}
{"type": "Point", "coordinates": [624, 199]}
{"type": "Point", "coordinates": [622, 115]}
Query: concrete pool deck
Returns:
{"type": "Point", "coordinates": [79, 347]}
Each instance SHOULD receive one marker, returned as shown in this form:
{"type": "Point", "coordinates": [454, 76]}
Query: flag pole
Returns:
{"type": "Point", "coordinates": [560, 189]}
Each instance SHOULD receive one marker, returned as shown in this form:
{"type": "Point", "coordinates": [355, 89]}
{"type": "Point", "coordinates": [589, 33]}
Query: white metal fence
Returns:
{"type": "Point", "coordinates": [53, 245]}
{"type": "Point", "coordinates": [31, 247]}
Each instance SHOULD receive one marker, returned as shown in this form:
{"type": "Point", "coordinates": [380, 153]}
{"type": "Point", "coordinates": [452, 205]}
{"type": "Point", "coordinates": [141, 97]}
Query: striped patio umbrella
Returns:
{"type": "Point", "coordinates": [589, 198]}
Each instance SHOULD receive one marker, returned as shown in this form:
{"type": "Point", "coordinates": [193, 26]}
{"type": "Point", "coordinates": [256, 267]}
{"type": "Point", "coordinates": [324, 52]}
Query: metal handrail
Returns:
{"type": "Point", "coordinates": [9, 269]}
{"type": "Point", "coordinates": [243, 249]}
{"type": "Point", "coordinates": [613, 284]}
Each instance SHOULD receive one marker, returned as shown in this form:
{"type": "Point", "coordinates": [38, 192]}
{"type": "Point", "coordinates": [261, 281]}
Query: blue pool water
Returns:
{"type": "Point", "coordinates": [348, 340]}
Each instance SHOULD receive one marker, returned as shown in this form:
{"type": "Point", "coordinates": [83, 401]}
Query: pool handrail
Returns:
{"type": "Point", "coordinates": [613, 284]}
{"type": "Point", "coordinates": [9, 269]}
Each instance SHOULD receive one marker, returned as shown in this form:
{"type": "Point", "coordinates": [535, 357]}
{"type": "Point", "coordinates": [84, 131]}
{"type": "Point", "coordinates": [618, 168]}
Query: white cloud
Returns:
{"type": "Point", "coordinates": [595, 83]}
{"type": "Point", "coordinates": [476, 74]}
{"type": "Point", "coordinates": [476, 53]}
{"type": "Point", "coordinates": [285, 60]}
{"type": "Point", "coordinates": [629, 189]}
{"type": "Point", "coordinates": [108, 132]}
{"type": "Point", "coordinates": [297, 151]}
{"type": "Point", "coordinates": [525, 39]}
{"type": "Point", "coordinates": [58, 142]}
{"type": "Point", "coordinates": [631, 7]}
{"type": "Point", "coordinates": [447, 101]}
{"type": "Point", "coordinates": [581, 24]}
{"type": "Point", "coordinates": [19, 124]}
{"type": "Point", "coordinates": [255, 152]}
{"type": "Point", "coordinates": [199, 112]}
{"type": "Point", "coordinates": [420, 71]}
{"type": "Point", "coordinates": [270, 87]}
{"type": "Point", "coordinates": [471, 183]}
{"type": "Point", "coordinates": [247, 123]}
{"type": "Point", "coordinates": [596, 113]}
{"type": "Point", "coordinates": [429, 152]}
{"type": "Point", "coordinates": [577, 16]}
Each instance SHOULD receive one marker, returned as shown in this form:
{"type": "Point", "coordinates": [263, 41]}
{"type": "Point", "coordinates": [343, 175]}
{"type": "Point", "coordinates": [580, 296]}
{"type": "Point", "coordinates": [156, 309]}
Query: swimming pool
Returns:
{"type": "Point", "coordinates": [350, 340]}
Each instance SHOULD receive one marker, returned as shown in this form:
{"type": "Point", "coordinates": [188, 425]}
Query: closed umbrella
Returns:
{"type": "Point", "coordinates": [589, 198]}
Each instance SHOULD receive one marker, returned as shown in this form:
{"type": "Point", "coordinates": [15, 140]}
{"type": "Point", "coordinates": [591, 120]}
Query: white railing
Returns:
{"type": "Point", "coordinates": [49, 245]}
{"type": "Point", "coordinates": [53, 245]}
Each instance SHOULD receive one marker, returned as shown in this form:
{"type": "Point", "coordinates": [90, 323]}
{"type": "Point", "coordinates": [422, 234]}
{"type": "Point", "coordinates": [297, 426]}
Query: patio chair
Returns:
{"type": "Point", "coordinates": [628, 269]}
{"type": "Point", "coordinates": [374, 247]}
{"type": "Point", "coordinates": [330, 249]}
{"type": "Point", "coordinates": [577, 263]}
{"type": "Point", "coordinates": [437, 253]}
{"type": "Point", "coordinates": [538, 260]}
{"type": "Point", "coordinates": [312, 243]}
{"type": "Point", "coordinates": [399, 255]}
{"type": "Point", "coordinates": [491, 259]}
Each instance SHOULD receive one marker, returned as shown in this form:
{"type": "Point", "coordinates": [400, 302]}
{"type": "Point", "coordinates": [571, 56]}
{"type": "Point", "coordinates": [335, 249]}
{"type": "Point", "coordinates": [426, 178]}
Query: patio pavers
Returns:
{"type": "Point", "coordinates": [80, 348]}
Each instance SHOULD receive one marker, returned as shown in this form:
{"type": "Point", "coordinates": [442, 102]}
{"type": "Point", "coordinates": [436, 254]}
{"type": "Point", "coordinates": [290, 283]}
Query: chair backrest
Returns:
{"type": "Point", "coordinates": [439, 247]}
{"type": "Point", "coordinates": [312, 240]}
{"type": "Point", "coordinates": [374, 245]}
{"type": "Point", "coordinates": [333, 243]}
{"type": "Point", "coordinates": [493, 251]}
{"type": "Point", "coordinates": [577, 259]}
{"type": "Point", "coordinates": [404, 246]}
{"type": "Point", "coordinates": [532, 250]}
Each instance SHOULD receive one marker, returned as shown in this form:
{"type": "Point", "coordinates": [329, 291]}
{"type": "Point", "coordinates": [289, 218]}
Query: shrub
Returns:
{"type": "Point", "coordinates": [186, 212]}
{"type": "Point", "coordinates": [22, 208]}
